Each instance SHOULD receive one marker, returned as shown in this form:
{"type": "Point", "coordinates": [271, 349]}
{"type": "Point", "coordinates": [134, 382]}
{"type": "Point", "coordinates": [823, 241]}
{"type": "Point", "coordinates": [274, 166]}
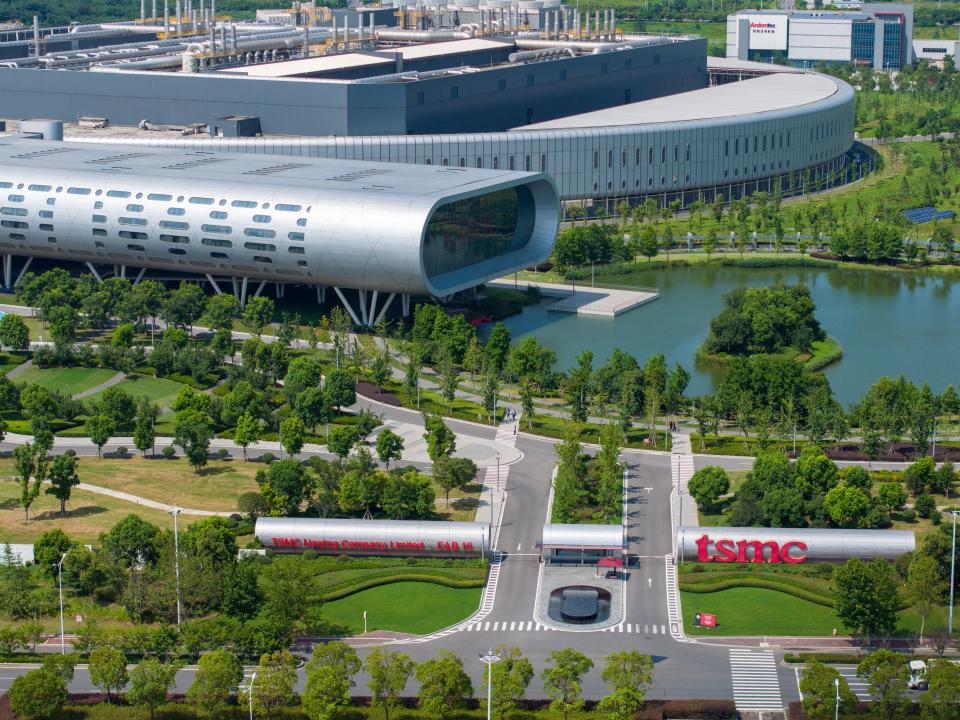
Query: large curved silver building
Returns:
{"type": "Point", "coordinates": [394, 228]}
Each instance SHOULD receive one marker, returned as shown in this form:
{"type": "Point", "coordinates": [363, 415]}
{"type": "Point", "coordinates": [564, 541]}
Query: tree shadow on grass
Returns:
{"type": "Point", "coordinates": [80, 512]}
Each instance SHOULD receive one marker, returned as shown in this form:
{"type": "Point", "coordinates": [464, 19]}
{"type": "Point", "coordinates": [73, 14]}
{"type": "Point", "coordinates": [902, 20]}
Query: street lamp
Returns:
{"type": "Point", "coordinates": [836, 707]}
{"type": "Point", "coordinates": [176, 556]}
{"type": "Point", "coordinates": [489, 659]}
{"type": "Point", "coordinates": [63, 643]}
{"type": "Point", "coordinates": [364, 622]}
{"type": "Point", "coordinates": [953, 559]}
{"type": "Point", "coordinates": [250, 694]}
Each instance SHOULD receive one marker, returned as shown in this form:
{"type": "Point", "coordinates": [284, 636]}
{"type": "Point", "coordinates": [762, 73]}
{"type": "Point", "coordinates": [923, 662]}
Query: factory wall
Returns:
{"type": "Point", "coordinates": [535, 92]}
{"type": "Point", "coordinates": [491, 100]}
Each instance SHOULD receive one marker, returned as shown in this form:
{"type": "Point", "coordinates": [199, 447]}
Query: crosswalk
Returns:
{"type": "Point", "coordinates": [673, 601]}
{"type": "Point", "coordinates": [525, 626]}
{"type": "Point", "coordinates": [756, 686]}
{"type": "Point", "coordinates": [505, 432]}
{"type": "Point", "coordinates": [858, 686]}
{"type": "Point", "coordinates": [496, 477]}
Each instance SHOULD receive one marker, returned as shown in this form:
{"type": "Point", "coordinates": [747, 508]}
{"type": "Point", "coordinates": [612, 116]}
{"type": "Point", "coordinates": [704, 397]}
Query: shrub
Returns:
{"type": "Point", "coordinates": [909, 515]}
{"type": "Point", "coordinates": [267, 458]}
{"type": "Point", "coordinates": [825, 568]}
{"type": "Point", "coordinates": [309, 555]}
{"type": "Point", "coordinates": [121, 451]}
{"type": "Point", "coordinates": [223, 453]}
{"type": "Point", "coordinates": [925, 506]}
{"type": "Point", "coordinates": [169, 452]}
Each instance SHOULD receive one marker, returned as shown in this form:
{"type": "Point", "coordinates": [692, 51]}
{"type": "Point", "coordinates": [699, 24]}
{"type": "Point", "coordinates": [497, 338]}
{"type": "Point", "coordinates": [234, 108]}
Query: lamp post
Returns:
{"type": "Point", "coordinates": [176, 556]}
{"type": "Point", "coordinates": [250, 694]}
{"type": "Point", "coordinates": [364, 622]}
{"type": "Point", "coordinates": [63, 643]}
{"type": "Point", "coordinates": [953, 559]}
{"type": "Point", "coordinates": [836, 706]}
{"type": "Point", "coordinates": [489, 659]}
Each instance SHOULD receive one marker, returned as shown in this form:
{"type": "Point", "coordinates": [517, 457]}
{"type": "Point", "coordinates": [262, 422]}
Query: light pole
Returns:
{"type": "Point", "coordinates": [176, 556]}
{"type": "Point", "coordinates": [364, 622]}
{"type": "Point", "coordinates": [836, 707]}
{"type": "Point", "coordinates": [953, 559]}
{"type": "Point", "coordinates": [489, 659]}
{"type": "Point", "coordinates": [63, 643]}
{"type": "Point", "coordinates": [250, 694]}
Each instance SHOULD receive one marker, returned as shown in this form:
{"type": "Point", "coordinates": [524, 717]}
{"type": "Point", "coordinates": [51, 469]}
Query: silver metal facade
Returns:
{"type": "Point", "coordinates": [333, 223]}
{"type": "Point", "coordinates": [587, 537]}
{"type": "Point", "coordinates": [375, 537]}
{"type": "Point", "coordinates": [600, 162]}
{"type": "Point", "coordinates": [819, 545]}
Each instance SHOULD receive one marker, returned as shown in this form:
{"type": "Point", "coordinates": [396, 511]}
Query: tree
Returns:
{"type": "Point", "coordinates": [886, 674]}
{"type": "Point", "coordinates": [648, 245]}
{"type": "Point", "coordinates": [389, 446]}
{"type": "Point", "coordinates": [628, 673]}
{"type": "Point", "coordinates": [25, 465]}
{"type": "Point", "coordinates": [942, 697]}
{"type": "Point", "coordinates": [284, 486]}
{"type": "Point", "coordinates": [99, 428]}
{"type": "Point", "coordinates": [49, 548]}
{"type": "Point", "coordinates": [342, 439]}
{"type": "Point", "coordinates": [708, 485]}
{"type": "Point", "coordinates": [108, 669]}
{"type": "Point", "coordinates": [452, 472]}
{"type": "Point", "coordinates": [150, 681]}
{"type": "Point", "coordinates": [561, 679]}
{"type": "Point", "coordinates": [221, 309]}
{"type": "Point", "coordinates": [132, 541]}
{"type": "Point", "coordinates": [62, 666]}
{"type": "Point", "coordinates": [388, 673]}
{"type": "Point", "coordinates": [274, 687]}
{"type": "Point", "coordinates": [847, 506]}
{"type": "Point", "coordinates": [246, 432]}
{"type": "Point", "coordinates": [340, 389]}
{"type": "Point", "coordinates": [866, 596]}
{"type": "Point", "coordinates": [924, 586]}
{"type": "Point", "coordinates": [184, 305]}
{"type": "Point", "coordinates": [329, 679]}
{"type": "Point", "coordinates": [63, 478]}
{"type": "Point", "coordinates": [497, 349]}
{"type": "Point", "coordinates": [38, 695]}
{"type": "Point", "coordinates": [509, 681]}
{"type": "Point", "coordinates": [892, 496]}
{"type": "Point", "coordinates": [239, 595]}
{"type": "Point", "coordinates": [193, 433]}
{"type": "Point", "coordinates": [63, 322]}
{"type": "Point", "coordinates": [257, 314]}
{"type": "Point", "coordinates": [818, 687]}
{"type": "Point", "coordinates": [144, 435]}
{"type": "Point", "coordinates": [218, 675]}
{"type": "Point", "coordinates": [920, 475]}
{"type": "Point", "coordinates": [293, 434]}
{"type": "Point", "coordinates": [14, 332]}
{"type": "Point", "coordinates": [441, 441]}
{"type": "Point", "coordinates": [444, 686]}
{"type": "Point", "coordinates": [303, 372]}
{"type": "Point", "coordinates": [815, 473]}
{"type": "Point", "coordinates": [859, 477]}
{"type": "Point", "coordinates": [37, 401]}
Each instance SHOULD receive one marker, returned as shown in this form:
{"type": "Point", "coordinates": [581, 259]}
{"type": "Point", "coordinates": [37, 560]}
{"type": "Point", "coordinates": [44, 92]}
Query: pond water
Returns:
{"type": "Point", "coordinates": [887, 323]}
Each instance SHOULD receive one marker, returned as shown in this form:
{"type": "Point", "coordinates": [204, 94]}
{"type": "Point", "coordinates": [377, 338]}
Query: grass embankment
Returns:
{"type": "Point", "coordinates": [161, 391]}
{"type": "Point", "coordinates": [69, 380]}
{"type": "Point", "coordinates": [820, 354]}
{"type": "Point", "coordinates": [766, 600]}
{"type": "Point", "coordinates": [400, 607]}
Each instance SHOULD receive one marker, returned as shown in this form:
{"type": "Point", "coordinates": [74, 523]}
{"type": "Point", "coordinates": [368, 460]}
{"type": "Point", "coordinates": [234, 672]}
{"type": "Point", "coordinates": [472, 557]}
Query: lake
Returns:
{"type": "Point", "coordinates": [887, 323]}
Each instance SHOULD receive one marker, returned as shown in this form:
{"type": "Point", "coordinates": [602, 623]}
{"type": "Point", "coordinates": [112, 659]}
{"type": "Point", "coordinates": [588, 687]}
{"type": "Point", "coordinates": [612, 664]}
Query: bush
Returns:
{"type": "Point", "coordinates": [223, 453]}
{"type": "Point", "coordinates": [169, 452]}
{"type": "Point", "coordinates": [121, 451]}
{"type": "Point", "coordinates": [925, 506]}
{"type": "Point", "coordinates": [692, 709]}
{"type": "Point", "coordinates": [825, 568]}
{"type": "Point", "coordinates": [309, 555]}
{"type": "Point", "coordinates": [823, 657]}
{"type": "Point", "coordinates": [909, 515]}
{"type": "Point", "coordinates": [267, 458]}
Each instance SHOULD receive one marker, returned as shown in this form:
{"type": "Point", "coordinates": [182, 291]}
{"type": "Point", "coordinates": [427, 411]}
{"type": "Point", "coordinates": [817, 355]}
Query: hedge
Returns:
{"type": "Point", "coordinates": [762, 584]}
{"type": "Point", "coordinates": [836, 658]}
{"type": "Point", "coordinates": [345, 591]}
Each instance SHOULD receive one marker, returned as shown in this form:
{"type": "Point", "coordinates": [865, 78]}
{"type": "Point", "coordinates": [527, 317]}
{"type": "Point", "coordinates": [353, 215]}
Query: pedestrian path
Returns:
{"type": "Point", "coordinates": [756, 685]}
{"type": "Point", "coordinates": [674, 616]}
{"type": "Point", "coordinates": [681, 466]}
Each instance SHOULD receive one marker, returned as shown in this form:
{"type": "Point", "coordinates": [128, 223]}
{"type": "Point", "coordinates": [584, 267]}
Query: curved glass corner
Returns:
{"type": "Point", "coordinates": [473, 230]}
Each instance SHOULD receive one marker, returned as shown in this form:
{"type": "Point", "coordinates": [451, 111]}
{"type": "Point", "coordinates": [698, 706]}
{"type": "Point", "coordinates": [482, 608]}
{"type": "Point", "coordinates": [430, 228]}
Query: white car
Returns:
{"type": "Point", "coordinates": [918, 675]}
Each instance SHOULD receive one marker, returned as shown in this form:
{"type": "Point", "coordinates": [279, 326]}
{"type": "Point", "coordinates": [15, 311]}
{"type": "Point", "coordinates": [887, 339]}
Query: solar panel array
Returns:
{"type": "Point", "coordinates": [926, 214]}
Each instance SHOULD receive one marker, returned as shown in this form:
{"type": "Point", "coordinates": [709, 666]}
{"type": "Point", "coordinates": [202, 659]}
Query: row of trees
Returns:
{"type": "Point", "coordinates": [443, 685]}
{"type": "Point", "coordinates": [588, 487]}
{"type": "Point", "coordinates": [886, 674]}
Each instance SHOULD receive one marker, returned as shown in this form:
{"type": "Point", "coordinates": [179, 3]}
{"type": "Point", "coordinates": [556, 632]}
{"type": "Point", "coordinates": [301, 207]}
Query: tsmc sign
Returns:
{"type": "Point", "coordinates": [789, 546]}
{"type": "Point", "coordinates": [728, 550]}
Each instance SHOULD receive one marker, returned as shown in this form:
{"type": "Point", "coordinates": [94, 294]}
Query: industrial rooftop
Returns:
{"type": "Point", "coordinates": [768, 93]}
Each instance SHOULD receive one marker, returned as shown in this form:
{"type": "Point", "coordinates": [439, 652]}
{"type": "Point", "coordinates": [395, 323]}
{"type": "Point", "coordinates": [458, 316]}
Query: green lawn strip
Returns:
{"type": "Point", "coordinates": [823, 353]}
{"type": "Point", "coordinates": [793, 587]}
{"type": "Point", "coordinates": [410, 607]}
{"type": "Point", "coordinates": [758, 611]}
{"type": "Point", "coordinates": [161, 391]}
{"type": "Point", "coordinates": [67, 380]}
{"type": "Point", "coordinates": [8, 361]}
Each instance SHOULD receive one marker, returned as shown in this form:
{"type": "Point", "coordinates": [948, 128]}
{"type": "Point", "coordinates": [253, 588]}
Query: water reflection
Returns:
{"type": "Point", "coordinates": [887, 323]}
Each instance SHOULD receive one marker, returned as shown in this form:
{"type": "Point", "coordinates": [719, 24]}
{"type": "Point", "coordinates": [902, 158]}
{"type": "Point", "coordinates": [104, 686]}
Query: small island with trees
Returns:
{"type": "Point", "coordinates": [778, 321]}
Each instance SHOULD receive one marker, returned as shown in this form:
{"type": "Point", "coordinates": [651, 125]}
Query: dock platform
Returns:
{"type": "Point", "coordinates": [584, 300]}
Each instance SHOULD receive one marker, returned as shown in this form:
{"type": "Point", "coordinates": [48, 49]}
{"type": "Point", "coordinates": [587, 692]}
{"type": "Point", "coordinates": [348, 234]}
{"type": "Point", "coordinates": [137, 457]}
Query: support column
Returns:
{"type": "Point", "coordinates": [260, 287]}
{"type": "Point", "coordinates": [123, 271]}
{"type": "Point", "coordinates": [243, 291]}
{"type": "Point", "coordinates": [373, 307]}
{"type": "Point", "coordinates": [94, 271]}
{"type": "Point", "coordinates": [383, 310]}
{"type": "Point", "coordinates": [23, 271]}
{"type": "Point", "coordinates": [321, 294]}
{"type": "Point", "coordinates": [405, 304]}
{"type": "Point", "coordinates": [140, 276]}
{"type": "Point", "coordinates": [7, 271]}
{"type": "Point", "coordinates": [236, 288]}
{"type": "Point", "coordinates": [346, 304]}
{"type": "Point", "coordinates": [216, 288]}
{"type": "Point", "coordinates": [363, 308]}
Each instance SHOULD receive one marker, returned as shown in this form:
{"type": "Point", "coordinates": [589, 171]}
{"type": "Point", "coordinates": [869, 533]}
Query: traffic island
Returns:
{"type": "Point", "coordinates": [579, 597]}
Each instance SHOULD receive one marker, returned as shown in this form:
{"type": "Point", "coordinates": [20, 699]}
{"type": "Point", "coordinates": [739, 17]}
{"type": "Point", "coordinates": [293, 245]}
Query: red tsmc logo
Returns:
{"type": "Point", "coordinates": [728, 550]}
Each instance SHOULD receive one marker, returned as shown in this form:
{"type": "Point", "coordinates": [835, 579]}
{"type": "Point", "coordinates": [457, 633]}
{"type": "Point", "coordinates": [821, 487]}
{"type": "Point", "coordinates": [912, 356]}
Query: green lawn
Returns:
{"type": "Point", "coordinates": [757, 611]}
{"type": "Point", "coordinates": [67, 380]}
{"type": "Point", "coordinates": [754, 611]}
{"type": "Point", "coordinates": [400, 607]}
{"type": "Point", "coordinates": [8, 361]}
{"type": "Point", "coordinates": [162, 391]}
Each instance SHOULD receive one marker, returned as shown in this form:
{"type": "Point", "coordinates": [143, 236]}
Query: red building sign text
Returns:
{"type": "Point", "coordinates": [728, 550]}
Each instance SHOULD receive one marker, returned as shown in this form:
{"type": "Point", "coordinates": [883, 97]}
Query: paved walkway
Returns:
{"type": "Point", "coordinates": [146, 502]}
{"type": "Point", "coordinates": [20, 369]}
{"type": "Point", "coordinates": [118, 378]}
{"type": "Point", "coordinates": [601, 301]}
{"type": "Point", "coordinates": [681, 464]}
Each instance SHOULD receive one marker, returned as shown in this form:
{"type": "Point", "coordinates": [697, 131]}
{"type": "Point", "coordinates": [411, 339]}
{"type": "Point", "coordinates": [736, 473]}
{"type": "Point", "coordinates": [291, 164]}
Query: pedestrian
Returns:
{"type": "Point", "coordinates": [514, 429]}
